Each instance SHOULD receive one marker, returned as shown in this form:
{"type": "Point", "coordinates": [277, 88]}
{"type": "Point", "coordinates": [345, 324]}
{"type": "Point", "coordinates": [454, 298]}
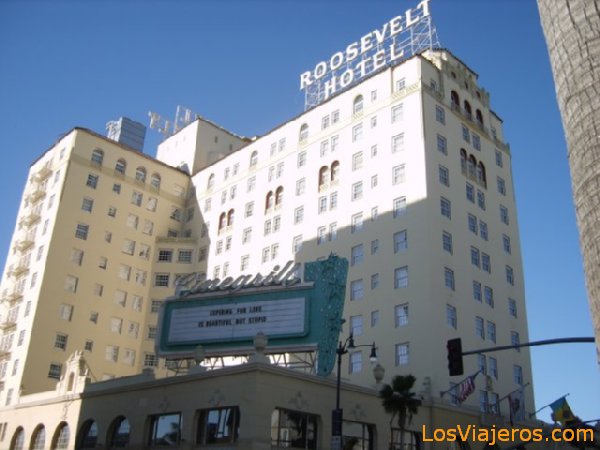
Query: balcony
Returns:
{"type": "Point", "coordinates": [8, 323]}
{"type": "Point", "coordinates": [42, 174]}
{"type": "Point", "coordinates": [4, 353]}
{"type": "Point", "coordinates": [24, 244]}
{"type": "Point", "coordinates": [21, 268]}
{"type": "Point", "coordinates": [13, 297]}
{"type": "Point", "coordinates": [31, 219]}
{"type": "Point", "coordinates": [36, 195]}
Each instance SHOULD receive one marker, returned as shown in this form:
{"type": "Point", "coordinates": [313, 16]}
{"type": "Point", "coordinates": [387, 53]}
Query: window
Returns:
{"type": "Point", "coordinates": [374, 281]}
{"type": "Point", "coordinates": [356, 325]}
{"type": "Point", "coordinates": [322, 204]}
{"type": "Point", "coordinates": [399, 174]}
{"type": "Point", "coordinates": [492, 367]}
{"type": "Point", "coordinates": [398, 143]}
{"type": "Point", "coordinates": [116, 324]}
{"type": "Point", "coordinates": [333, 200]}
{"type": "Point", "coordinates": [499, 162]}
{"type": "Point", "coordinates": [399, 206]}
{"type": "Point", "coordinates": [321, 235]}
{"type": "Point", "coordinates": [333, 231]}
{"type": "Point", "coordinates": [298, 215]}
{"type": "Point", "coordinates": [120, 167]}
{"type": "Point", "coordinates": [479, 329]}
{"type": "Point", "coordinates": [465, 134]}
{"type": "Point", "coordinates": [136, 198]}
{"type": "Point", "coordinates": [401, 277]}
{"type": "Point", "coordinates": [442, 144]}
{"type": "Point", "coordinates": [481, 199]}
{"type": "Point", "coordinates": [518, 375]}
{"type": "Point", "coordinates": [356, 255]}
{"type": "Point", "coordinates": [218, 425]}
{"type": "Point", "coordinates": [161, 280]}
{"type": "Point", "coordinates": [357, 132]}
{"type": "Point", "coordinates": [440, 114]}
{"type": "Point", "coordinates": [510, 277]}
{"type": "Point", "coordinates": [447, 242]}
{"type": "Point", "coordinates": [92, 181]}
{"type": "Point", "coordinates": [401, 315]}
{"type": "Point", "coordinates": [87, 204]}
{"type": "Point", "coordinates": [165, 430]}
{"type": "Point", "coordinates": [155, 306]}
{"type": "Point", "coordinates": [301, 159]}
{"type": "Point", "coordinates": [489, 295]}
{"type": "Point", "coordinates": [297, 243]}
{"type": "Point", "coordinates": [77, 256]}
{"type": "Point", "coordinates": [491, 331]}
{"type": "Point", "coordinates": [451, 316]}
{"type": "Point", "coordinates": [184, 256]}
{"type": "Point", "coordinates": [470, 191]}
{"type": "Point", "coordinates": [475, 259]}
{"type": "Point", "coordinates": [512, 307]}
{"type": "Point", "coordinates": [97, 157]}
{"type": "Point", "coordinates": [400, 84]}
{"type": "Point", "coordinates": [60, 341]}
{"type": "Point", "coordinates": [444, 175]}
{"type": "Point", "coordinates": [483, 230]}
{"type": "Point", "coordinates": [71, 283]}
{"type": "Point", "coordinates": [400, 241]}
{"type": "Point", "coordinates": [476, 141]}
{"type": "Point", "coordinates": [472, 223]}
{"type": "Point", "coordinates": [334, 143]}
{"type": "Point", "coordinates": [54, 371]}
{"type": "Point", "coordinates": [402, 354]}
{"type": "Point", "coordinates": [504, 215]}
{"type": "Point", "coordinates": [300, 186]}
{"type": "Point", "coordinates": [397, 113]}
{"type": "Point", "coordinates": [128, 247]}
{"type": "Point", "coordinates": [358, 104]}
{"type": "Point", "coordinates": [246, 235]}
{"type": "Point", "coordinates": [449, 278]}
{"type": "Point", "coordinates": [355, 362]}
{"type": "Point", "coordinates": [485, 263]}
{"type": "Point", "coordinates": [249, 209]}
{"type": "Point", "coordinates": [357, 161]}
{"type": "Point", "coordinates": [151, 205]}
{"type": "Point", "coordinates": [294, 429]}
{"type": "Point", "coordinates": [357, 191]}
{"type": "Point", "coordinates": [356, 289]}
{"type": "Point", "coordinates": [81, 232]}
{"type": "Point", "coordinates": [373, 121]}
{"type": "Point", "coordinates": [506, 243]}
{"type": "Point", "coordinates": [446, 207]}
{"type": "Point", "coordinates": [140, 175]}
{"type": "Point", "coordinates": [356, 223]}
{"type": "Point", "coordinates": [66, 311]}
{"type": "Point", "coordinates": [148, 227]}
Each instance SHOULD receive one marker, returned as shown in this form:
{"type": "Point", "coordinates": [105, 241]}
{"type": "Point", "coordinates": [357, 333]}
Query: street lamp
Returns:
{"type": "Point", "coordinates": [337, 413]}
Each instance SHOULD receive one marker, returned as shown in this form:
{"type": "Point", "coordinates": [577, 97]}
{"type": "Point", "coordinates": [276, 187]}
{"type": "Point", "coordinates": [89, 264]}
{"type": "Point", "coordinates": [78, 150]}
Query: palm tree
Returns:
{"type": "Point", "coordinates": [400, 402]}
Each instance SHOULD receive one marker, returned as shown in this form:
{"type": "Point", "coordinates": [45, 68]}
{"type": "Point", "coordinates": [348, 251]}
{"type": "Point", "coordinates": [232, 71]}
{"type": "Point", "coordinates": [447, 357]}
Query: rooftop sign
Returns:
{"type": "Point", "coordinates": [296, 314]}
{"type": "Point", "coordinates": [398, 39]}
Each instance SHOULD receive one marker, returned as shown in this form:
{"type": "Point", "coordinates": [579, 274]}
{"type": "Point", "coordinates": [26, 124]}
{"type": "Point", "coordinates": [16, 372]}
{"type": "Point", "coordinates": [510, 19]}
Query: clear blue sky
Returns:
{"type": "Point", "coordinates": [82, 63]}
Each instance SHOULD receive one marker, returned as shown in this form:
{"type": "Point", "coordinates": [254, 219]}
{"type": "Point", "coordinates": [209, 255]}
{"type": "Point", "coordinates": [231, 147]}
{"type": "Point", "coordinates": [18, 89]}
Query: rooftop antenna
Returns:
{"type": "Point", "coordinates": [183, 117]}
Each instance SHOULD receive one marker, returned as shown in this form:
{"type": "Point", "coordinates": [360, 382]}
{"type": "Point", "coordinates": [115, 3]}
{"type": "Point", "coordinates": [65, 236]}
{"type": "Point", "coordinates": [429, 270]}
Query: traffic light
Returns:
{"type": "Point", "coordinates": [455, 362]}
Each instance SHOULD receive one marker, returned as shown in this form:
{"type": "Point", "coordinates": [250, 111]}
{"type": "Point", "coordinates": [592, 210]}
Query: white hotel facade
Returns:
{"type": "Point", "coordinates": [406, 174]}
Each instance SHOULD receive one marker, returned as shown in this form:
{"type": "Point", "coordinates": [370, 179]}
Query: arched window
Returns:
{"type": "Point", "coordinates": [279, 196]}
{"type": "Point", "coordinates": [358, 104]}
{"type": "Point", "coordinates": [468, 111]}
{"type": "Point", "coordinates": [97, 157]}
{"type": "Point", "coordinates": [335, 171]}
{"type": "Point", "coordinates": [222, 221]}
{"type": "Point", "coordinates": [463, 160]}
{"type": "Point", "coordinates": [481, 174]}
{"type": "Point", "coordinates": [471, 164]}
{"type": "Point", "coordinates": [211, 181]}
{"type": "Point", "coordinates": [18, 440]}
{"type": "Point", "coordinates": [118, 433]}
{"type": "Point", "coordinates": [323, 176]}
{"type": "Point", "coordinates": [230, 216]}
{"type": "Point", "coordinates": [60, 441]}
{"type": "Point", "coordinates": [88, 435]}
{"type": "Point", "coordinates": [121, 166]}
{"type": "Point", "coordinates": [479, 117]}
{"type": "Point", "coordinates": [155, 181]}
{"type": "Point", "coordinates": [269, 201]}
{"type": "Point", "coordinates": [303, 132]}
{"type": "Point", "coordinates": [455, 101]}
{"type": "Point", "coordinates": [38, 438]}
{"type": "Point", "coordinates": [140, 174]}
{"type": "Point", "coordinates": [253, 159]}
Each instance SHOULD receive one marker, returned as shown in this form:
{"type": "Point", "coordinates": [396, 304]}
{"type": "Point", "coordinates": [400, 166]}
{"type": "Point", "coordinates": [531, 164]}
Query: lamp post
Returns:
{"type": "Point", "coordinates": [337, 415]}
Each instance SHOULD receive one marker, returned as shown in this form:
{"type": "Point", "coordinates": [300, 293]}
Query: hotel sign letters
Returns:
{"type": "Point", "coordinates": [374, 50]}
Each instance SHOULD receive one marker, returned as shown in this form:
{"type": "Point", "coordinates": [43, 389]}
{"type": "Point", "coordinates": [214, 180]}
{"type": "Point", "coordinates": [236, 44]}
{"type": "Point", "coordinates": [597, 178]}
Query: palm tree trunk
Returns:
{"type": "Point", "coordinates": [571, 31]}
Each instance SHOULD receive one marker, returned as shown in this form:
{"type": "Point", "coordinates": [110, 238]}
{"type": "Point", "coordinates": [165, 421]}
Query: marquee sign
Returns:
{"type": "Point", "coordinates": [400, 38]}
{"type": "Point", "coordinates": [296, 314]}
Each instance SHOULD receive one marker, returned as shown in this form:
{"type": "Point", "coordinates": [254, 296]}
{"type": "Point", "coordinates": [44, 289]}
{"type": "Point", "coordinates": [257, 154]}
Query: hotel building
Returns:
{"type": "Point", "coordinates": [406, 174]}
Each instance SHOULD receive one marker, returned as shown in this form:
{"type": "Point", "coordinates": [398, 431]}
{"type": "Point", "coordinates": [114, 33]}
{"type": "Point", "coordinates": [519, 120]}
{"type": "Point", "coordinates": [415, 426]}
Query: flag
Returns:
{"type": "Point", "coordinates": [516, 401]}
{"type": "Point", "coordinates": [561, 412]}
{"type": "Point", "coordinates": [466, 388]}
